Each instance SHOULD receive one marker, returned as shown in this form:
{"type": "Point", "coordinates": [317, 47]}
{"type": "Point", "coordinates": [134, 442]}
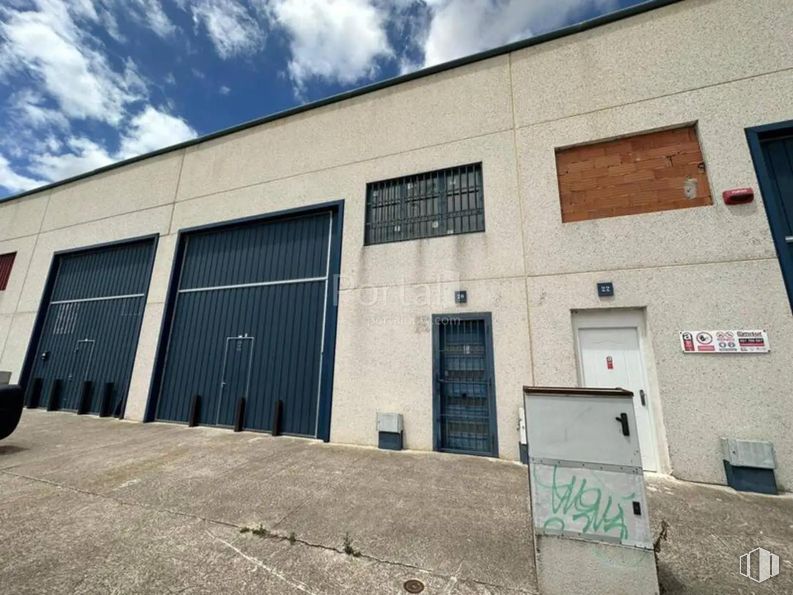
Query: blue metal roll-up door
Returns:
{"type": "Point", "coordinates": [250, 315]}
{"type": "Point", "coordinates": [88, 328]}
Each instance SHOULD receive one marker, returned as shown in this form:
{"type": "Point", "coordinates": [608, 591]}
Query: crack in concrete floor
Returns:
{"type": "Point", "coordinates": [452, 579]}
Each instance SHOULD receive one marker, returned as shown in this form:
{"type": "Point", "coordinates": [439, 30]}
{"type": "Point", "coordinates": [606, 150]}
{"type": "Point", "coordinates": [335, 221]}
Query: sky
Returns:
{"type": "Point", "coordinates": [85, 83]}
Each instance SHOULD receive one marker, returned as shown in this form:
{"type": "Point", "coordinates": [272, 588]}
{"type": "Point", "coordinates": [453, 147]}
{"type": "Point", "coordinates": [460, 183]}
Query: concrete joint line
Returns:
{"type": "Point", "coordinates": [259, 564]}
{"type": "Point", "coordinates": [278, 536]}
{"type": "Point", "coordinates": [566, 273]}
{"type": "Point", "coordinates": [306, 500]}
{"type": "Point", "coordinates": [453, 579]}
{"type": "Point", "coordinates": [118, 501]}
{"type": "Point", "coordinates": [655, 98]}
{"type": "Point", "coordinates": [350, 163]}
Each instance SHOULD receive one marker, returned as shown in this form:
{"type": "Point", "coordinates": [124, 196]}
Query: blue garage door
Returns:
{"type": "Point", "coordinates": [248, 325]}
{"type": "Point", "coordinates": [86, 347]}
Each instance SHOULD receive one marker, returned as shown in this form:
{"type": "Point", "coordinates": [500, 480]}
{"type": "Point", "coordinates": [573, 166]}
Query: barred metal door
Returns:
{"type": "Point", "coordinates": [465, 396]}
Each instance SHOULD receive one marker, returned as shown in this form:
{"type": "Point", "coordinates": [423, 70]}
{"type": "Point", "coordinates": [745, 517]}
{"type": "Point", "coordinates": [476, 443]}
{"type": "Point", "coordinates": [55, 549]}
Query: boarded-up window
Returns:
{"type": "Point", "coordinates": [657, 171]}
{"type": "Point", "coordinates": [6, 263]}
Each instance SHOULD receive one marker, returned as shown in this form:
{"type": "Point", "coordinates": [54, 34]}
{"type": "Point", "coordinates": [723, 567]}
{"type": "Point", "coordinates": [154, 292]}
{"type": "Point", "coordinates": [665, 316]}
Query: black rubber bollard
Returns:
{"type": "Point", "coordinates": [239, 418]}
{"type": "Point", "coordinates": [195, 411]}
{"type": "Point", "coordinates": [85, 397]}
{"type": "Point", "coordinates": [106, 403]}
{"type": "Point", "coordinates": [278, 413]}
{"type": "Point", "coordinates": [34, 396]}
{"type": "Point", "coordinates": [54, 402]}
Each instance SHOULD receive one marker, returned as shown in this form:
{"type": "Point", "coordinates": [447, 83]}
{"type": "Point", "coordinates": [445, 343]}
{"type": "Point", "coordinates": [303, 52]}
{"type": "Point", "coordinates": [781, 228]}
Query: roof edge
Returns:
{"type": "Point", "coordinates": [618, 15]}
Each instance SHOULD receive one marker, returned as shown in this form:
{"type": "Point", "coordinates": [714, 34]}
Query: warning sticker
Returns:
{"type": "Point", "coordinates": [745, 341]}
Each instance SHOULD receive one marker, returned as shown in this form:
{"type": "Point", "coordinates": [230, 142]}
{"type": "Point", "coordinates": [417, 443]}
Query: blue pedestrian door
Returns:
{"type": "Point", "coordinates": [773, 153]}
{"type": "Point", "coordinates": [464, 401]}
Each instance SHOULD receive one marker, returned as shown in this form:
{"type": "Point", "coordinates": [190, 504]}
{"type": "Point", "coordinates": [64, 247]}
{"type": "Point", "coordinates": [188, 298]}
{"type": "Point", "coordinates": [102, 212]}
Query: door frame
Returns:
{"type": "Point", "coordinates": [756, 136]}
{"type": "Point", "coordinates": [224, 368]}
{"type": "Point", "coordinates": [87, 341]}
{"type": "Point", "coordinates": [614, 318]}
{"type": "Point", "coordinates": [491, 371]}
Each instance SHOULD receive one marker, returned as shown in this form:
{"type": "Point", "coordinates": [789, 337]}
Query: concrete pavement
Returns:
{"type": "Point", "coordinates": [93, 505]}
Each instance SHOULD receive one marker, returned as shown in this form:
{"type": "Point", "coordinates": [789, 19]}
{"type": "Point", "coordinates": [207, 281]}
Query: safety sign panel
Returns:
{"type": "Point", "coordinates": [734, 341]}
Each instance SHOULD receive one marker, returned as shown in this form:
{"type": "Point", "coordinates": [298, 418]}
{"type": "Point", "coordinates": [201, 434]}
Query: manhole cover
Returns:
{"type": "Point", "coordinates": [413, 586]}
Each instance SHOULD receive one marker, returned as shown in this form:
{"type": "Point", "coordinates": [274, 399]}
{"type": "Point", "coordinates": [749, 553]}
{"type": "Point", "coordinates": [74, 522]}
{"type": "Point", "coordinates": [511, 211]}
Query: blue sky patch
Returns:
{"type": "Point", "coordinates": [85, 83]}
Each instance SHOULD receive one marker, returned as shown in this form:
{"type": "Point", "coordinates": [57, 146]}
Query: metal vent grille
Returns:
{"type": "Point", "coordinates": [438, 203]}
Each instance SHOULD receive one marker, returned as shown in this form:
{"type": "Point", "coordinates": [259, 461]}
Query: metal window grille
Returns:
{"type": "Point", "coordinates": [6, 262]}
{"type": "Point", "coordinates": [427, 205]}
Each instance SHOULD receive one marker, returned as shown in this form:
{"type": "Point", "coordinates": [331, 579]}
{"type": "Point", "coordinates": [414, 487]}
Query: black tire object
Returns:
{"type": "Point", "coordinates": [11, 400]}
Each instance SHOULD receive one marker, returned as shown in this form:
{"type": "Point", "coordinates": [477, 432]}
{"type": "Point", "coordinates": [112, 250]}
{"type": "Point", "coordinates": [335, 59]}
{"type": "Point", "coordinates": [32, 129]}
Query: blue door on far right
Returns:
{"type": "Point", "coordinates": [773, 154]}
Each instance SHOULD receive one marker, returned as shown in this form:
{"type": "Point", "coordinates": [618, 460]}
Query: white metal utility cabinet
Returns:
{"type": "Point", "coordinates": [589, 510]}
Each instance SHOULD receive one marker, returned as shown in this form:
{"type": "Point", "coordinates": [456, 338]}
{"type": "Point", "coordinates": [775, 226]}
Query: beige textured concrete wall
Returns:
{"type": "Point", "coordinates": [689, 45]}
{"type": "Point", "coordinates": [702, 397]}
{"type": "Point", "coordinates": [138, 187]}
{"type": "Point", "coordinates": [384, 356]}
{"type": "Point", "coordinates": [654, 239]}
{"type": "Point", "coordinates": [699, 61]}
{"type": "Point", "coordinates": [421, 113]}
{"type": "Point", "coordinates": [688, 269]}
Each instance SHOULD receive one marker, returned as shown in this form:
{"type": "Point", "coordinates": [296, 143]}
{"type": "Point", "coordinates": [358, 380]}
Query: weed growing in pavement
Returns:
{"type": "Point", "coordinates": [348, 549]}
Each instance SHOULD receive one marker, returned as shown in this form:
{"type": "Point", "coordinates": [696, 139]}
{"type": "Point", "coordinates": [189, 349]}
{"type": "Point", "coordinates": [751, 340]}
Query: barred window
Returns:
{"type": "Point", "coordinates": [437, 203]}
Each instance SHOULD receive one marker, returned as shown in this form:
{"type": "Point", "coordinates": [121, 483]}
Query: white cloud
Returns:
{"type": "Point", "coordinates": [462, 27]}
{"type": "Point", "coordinates": [153, 129]}
{"type": "Point", "coordinates": [48, 45]}
{"type": "Point", "coordinates": [334, 40]}
{"type": "Point", "coordinates": [146, 13]}
{"type": "Point", "coordinates": [14, 181]}
{"type": "Point", "coordinates": [148, 131]}
{"type": "Point", "coordinates": [151, 13]}
{"type": "Point", "coordinates": [82, 155]}
{"type": "Point", "coordinates": [29, 107]}
{"type": "Point", "coordinates": [67, 79]}
{"type": "Point", "coordinates": [224, 90]}
{"type": "Point", "coordinates": [231, 27]}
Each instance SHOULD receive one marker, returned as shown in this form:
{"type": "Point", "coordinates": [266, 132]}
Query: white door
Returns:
{"type": "Point", "coordinates": [610, 356]}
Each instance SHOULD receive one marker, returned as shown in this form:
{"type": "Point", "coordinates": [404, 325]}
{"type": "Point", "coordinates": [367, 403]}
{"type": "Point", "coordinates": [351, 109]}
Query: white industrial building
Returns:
{"type": "Point", "coordinates": [429, 245]}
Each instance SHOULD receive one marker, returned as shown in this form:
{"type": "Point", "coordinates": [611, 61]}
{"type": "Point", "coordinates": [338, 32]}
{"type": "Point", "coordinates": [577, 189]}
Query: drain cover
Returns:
{"type": "Point", "coordinates": [413, 586]}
